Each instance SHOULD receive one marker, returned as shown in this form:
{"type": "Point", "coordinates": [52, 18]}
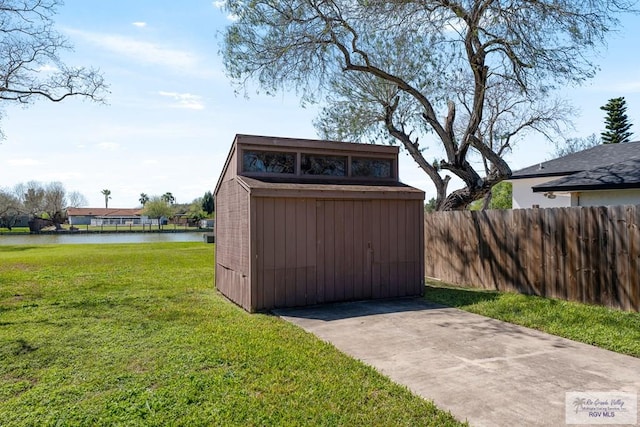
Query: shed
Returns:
{"type": "Point", "coordinates": [303, 222]}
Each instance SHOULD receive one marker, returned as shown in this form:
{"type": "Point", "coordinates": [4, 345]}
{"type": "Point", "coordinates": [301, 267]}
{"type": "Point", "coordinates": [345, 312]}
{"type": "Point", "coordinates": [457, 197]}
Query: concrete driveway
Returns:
{"type": "Point", "coordinates": [485, 371]}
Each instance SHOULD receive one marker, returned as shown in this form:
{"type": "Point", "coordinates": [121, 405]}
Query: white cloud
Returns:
{"type": "Point", "coordinates": [220, 4]}
{"type": "Point", "coordinates": [24, 162]}
{"type": "Point", "coordinates": [47, 68]}
{"type": "Point", "coordinates": [142, 51]}
{"type": "Point", "coordinates": [185, 100]}
{"type": "Point", "coordinates": [139, 24]}
{"type": "Point", "coordinates": [108, 146]}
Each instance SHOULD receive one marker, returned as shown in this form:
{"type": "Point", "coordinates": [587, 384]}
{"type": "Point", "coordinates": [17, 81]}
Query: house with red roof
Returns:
{"type": "Point", "coordinates": [106, 216]}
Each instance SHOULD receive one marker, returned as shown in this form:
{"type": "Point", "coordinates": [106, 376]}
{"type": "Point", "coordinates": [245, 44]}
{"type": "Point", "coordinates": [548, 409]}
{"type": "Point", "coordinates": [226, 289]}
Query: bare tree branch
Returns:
{"type": "Point", "coordinates": [30, 65]}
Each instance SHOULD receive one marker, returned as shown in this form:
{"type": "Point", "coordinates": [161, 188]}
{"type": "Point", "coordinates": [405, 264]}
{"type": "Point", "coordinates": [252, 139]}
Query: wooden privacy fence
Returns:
{"type": "Point", "coordinates": [586, 254]}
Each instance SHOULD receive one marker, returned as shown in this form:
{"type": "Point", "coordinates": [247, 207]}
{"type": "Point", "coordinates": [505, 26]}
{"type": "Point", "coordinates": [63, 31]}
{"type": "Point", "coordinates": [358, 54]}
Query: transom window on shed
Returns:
{"type": "Point", "coordinates": [375, 168]}
{"type": "Point", "coordinates": [255, 160]}
{"type": "Point", "coordinates": [269, 162]}
{"type": "Point", "coordinates": [315, 164]}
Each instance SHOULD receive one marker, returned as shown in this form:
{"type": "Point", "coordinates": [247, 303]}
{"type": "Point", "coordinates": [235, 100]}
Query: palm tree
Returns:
{"type": "Point", "coordinates": [168, 197]}
{"type": "Point", "coordinates": [143, 199]}
{"type": "Point", "coordinates": [578, 403]}
{"type": "Point", "coordinates": [107, 196]}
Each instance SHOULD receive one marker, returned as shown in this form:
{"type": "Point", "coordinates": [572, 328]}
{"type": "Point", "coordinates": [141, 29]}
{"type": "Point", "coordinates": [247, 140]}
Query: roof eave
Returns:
{"type": "Point", "coordinates": [590, 187]}
{"type": "Point", "coordinates": [542, 175]}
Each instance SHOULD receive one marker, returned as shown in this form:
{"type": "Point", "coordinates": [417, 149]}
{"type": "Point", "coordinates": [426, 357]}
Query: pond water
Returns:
{"type": "Point", "coordinates": [64, 238]}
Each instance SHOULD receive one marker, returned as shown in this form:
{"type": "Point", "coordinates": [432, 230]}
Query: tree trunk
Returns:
{"type": "Point", "coordinates": [486, 202]}
{"type": "Point", "coordinates": [460, 199]}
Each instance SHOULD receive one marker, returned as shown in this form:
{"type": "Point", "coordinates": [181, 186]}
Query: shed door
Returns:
{"type": "Point", "coordinates": [344, 250]}
{"type": "Point", "coordinates": [286, 252]}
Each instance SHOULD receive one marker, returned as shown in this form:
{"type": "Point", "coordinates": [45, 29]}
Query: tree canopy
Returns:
{"type": "Point", "coordinates": [500, 197]}
{"type": "Point", "coordinates": [30, 63]}
{"type": "Point", "coordinates": [616, 122]}
{"type": "Point", "coordinates": [208, 203]}
{"type": "Point", "coordinates": [158, 207]}
{"type": "Point", "coordinates": [462, 79]}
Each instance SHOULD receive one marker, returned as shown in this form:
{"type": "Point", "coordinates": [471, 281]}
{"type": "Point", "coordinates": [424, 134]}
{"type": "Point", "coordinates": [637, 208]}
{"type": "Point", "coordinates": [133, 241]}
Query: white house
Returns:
{"type": "Point", "coordinates": [607, 174]}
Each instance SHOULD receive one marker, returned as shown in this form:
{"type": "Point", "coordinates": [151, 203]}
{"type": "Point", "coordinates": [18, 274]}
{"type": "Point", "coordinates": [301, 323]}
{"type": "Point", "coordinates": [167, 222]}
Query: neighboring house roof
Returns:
{"type": "Point", "coordinates": [103, 212]}
{"type": "Point", "coordinates": [614, 176]}
{"type": "Point", "coordinates": [589, 159]}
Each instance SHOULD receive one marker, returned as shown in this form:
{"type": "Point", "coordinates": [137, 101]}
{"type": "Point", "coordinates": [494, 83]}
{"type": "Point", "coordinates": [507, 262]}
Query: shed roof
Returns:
{"type": "Point", "coordinates": [592, 158]}
{"type": "Point", "coordinates": [297, 143]}
{"type": "Point", "coordinates": [621, 175]}
{"type": "Point", "coordinates": [280, 187]}
{"type": "Point", "coordinates": [299, 185]}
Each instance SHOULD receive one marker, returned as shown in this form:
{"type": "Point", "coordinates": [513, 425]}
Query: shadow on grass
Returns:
{"type": "Point", "coordinates": [457, 297]}
{"type": "Point", "coordinates": [16, 248]}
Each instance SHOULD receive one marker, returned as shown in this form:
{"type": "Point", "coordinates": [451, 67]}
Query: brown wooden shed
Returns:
{"type": "Point", "coordinates": [303, 222]}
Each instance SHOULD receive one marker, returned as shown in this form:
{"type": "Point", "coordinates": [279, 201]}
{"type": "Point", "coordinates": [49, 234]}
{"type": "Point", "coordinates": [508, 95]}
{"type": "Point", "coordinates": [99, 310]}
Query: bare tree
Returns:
{"type": "Point", "coordinates": [463, 78]}
{"type": "Point", "coordinates": [30, 64]}
{"type": "Point", "coordinates": [55, 202]}
{"type": "Point", "coordinates": [45, 201]}
{"type": "Point", "coordinates": [10, 209]}
{"type": "Point", "coordinates": [76, 200]}
{"type": "Point", "coordinates": [32, 197]}
{"type": "Point", "coordinates": [573, 145]}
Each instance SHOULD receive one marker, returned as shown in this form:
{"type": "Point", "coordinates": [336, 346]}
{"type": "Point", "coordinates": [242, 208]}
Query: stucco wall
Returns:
{"type": "Point", "coordinates": [606, 198]}
{"type": "Point", "coordinates": [524, 197]}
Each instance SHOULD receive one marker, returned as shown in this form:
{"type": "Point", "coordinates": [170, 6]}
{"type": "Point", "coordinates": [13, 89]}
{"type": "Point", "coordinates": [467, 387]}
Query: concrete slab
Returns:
{"type": "Point", "coordinates": [485, 371]}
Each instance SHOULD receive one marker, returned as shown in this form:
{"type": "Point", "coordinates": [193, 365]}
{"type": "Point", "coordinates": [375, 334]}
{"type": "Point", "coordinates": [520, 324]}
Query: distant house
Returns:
{"type": "Point", "coordinates": [105, 216]}
{"type": "Point", "coordinates": [207, 223]}
{"type": "Point", "coordinates": [599, 176]}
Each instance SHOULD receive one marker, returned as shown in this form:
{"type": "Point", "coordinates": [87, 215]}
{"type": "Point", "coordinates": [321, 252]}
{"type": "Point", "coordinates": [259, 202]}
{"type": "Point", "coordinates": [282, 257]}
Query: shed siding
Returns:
{"type": "Point", "coordinates": [312, 251]}
{"type": "Point", "coordinates": [286, 256]}
{"type": "Point", "coordinates": [232, 237]}
{"type": "Point", "coordinates": [304, 240]}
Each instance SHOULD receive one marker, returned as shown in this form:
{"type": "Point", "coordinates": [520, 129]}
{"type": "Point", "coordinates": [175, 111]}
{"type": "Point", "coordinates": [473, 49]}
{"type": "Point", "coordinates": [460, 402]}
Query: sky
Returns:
{"type": "Point", "coordinates": [172, 113]}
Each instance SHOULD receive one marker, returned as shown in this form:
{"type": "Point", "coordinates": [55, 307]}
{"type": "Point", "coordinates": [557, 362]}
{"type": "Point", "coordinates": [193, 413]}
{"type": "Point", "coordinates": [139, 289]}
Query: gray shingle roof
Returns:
{"type": "Point", "coordinates": [615, 176]}
{"type": "Point", "coordinates": [592, 158]}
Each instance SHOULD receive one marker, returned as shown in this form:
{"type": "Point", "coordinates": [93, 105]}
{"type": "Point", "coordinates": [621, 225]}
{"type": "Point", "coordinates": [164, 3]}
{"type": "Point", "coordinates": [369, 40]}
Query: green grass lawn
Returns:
{"type": "Point", "coordinates": [614, 330]}
{"type": "Point", "coordinates": [136, 335]}
{"type": "Point", "coordinates": [14, 230]}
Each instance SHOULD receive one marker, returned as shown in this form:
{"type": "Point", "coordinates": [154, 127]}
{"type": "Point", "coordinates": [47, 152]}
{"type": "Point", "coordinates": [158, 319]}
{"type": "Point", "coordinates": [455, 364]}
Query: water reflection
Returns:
{"type": "Point", "coordinates": [65, 238]}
